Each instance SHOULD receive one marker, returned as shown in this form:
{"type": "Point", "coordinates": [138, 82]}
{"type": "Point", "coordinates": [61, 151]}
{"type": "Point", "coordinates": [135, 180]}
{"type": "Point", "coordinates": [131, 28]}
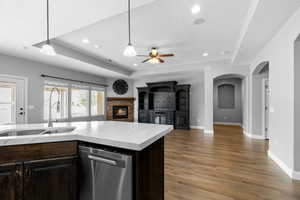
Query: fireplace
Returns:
{"type": "Point", "coordinates": [120, 109]}
{"type": "Point", "coordinates": [120, 112]}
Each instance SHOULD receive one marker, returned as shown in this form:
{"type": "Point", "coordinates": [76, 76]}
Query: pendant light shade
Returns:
{"type": "Point", "coordinates": [129, 50]}
{"type": "Point", "coordinates": [47, 49]}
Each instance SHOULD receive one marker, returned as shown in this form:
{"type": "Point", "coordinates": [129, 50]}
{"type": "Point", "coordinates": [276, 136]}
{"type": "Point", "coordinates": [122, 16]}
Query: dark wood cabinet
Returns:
{"type": "Point", "coordinates": [165, 103]}
{"type": "Point", "coordinates": [182, 119]}
{"type": "Point", "coordinates": [50, 179]}
{"type": "Point", "coordinates": [39, 171]}
{"type": "Point", "coordinates": [11, 181]}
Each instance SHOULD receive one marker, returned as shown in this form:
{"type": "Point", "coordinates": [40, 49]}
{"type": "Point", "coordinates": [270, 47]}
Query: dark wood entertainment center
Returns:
{"type": "Point", "coordinates": [165, 103]}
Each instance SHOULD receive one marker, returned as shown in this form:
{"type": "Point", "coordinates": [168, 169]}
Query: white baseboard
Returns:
{"type": "Point", "coordinates": [281, 164]}
{"type": "Point", "coordinates": [290, 172]}
{"type": "Point", "coordinates": [258, 137]}
{"type": "Point", "coordinates": [296, 175]}
{"type": "Point", "coordinates": [197, 127]}
{"type": "Point", "coordinates": [228, 123]}
{"type": "Point", "coordinates": [211, 132]}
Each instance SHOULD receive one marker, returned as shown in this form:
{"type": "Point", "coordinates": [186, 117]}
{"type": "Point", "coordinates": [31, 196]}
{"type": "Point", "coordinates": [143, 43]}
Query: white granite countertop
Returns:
{"type": "Point", "coordinates": [133, 136]}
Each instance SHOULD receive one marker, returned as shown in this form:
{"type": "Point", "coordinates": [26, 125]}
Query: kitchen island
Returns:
{"type": "Point", "coordinates": [34, 166]}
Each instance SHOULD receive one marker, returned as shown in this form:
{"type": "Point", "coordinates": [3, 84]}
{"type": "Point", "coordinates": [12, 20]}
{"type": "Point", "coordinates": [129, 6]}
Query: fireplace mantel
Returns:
{"type": "Point", "coordinates": [120, 102]}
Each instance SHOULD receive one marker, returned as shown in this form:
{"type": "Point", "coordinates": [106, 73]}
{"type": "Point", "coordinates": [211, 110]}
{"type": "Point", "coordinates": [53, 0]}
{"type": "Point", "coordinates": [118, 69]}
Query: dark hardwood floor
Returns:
{"type": "Point", "coordinates": [226, 166]}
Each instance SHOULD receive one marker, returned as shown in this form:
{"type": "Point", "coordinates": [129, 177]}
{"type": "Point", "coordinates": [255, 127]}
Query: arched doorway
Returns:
{"type": "Point", "coordinates": [229, 100]}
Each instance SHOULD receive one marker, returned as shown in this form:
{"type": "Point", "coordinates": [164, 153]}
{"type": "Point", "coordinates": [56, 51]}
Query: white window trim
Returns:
{"type": "Point", "coordinates": [56, 85]}
{"type": "Point", "coordinates": [100, 90]}
{"type": "Point", "coordinates": [72, 85]}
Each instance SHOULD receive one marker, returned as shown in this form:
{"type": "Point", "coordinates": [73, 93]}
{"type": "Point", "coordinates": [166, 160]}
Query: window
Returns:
{"type": "Point", "coordinates": [59, 107]}
{"type": "Point", "coordinates": [73, 101]}
{"type": "Point", "coordinates": [80, 102]}
{"type": "Point", "coordinates": [7, 103]}
{"type": "Point", "coordinates": [226, 96]}
{"type": "Point", "coordinates": [97, 102]}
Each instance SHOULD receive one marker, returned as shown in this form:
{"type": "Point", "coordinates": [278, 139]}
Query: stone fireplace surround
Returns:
{"type": "Point", "coordinates": [120, 101]}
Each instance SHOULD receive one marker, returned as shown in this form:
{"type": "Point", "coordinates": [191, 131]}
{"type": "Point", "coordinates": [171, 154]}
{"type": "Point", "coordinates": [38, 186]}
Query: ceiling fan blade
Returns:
{"type": "Point", "coordinates": [142, 55]}
{"type": "Point", "coordinates": [161, 60]}
{"type": "Point", "coordinates": [146, 60]}
{"type": "Point", "coordinates": [166, 55]}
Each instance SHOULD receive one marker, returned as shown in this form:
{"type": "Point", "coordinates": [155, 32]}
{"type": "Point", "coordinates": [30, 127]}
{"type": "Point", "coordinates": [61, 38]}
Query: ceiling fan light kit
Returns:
{"type": "Point", "coordinates": [47, 49]}
{"type": "Point", "coordinates": [154, 61]}
{"type": "Point", "coordinates": [155, 57]}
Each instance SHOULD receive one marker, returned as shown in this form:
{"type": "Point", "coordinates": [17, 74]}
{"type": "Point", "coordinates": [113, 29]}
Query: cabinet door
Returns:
{"type": "Point", "coordinates": [11, 181]}
{"type": "Point", "coordinates": [51, 179]}
{"type": "Point", "coordinates": [181, 120]}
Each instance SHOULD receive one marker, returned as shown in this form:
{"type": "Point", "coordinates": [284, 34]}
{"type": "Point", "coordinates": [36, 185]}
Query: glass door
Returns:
{"type": "Point", "coordinates": [12, 100]}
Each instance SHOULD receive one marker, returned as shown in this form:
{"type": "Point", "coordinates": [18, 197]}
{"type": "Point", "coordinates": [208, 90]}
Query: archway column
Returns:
{"type": "Point", "coordinates": [208, 101]}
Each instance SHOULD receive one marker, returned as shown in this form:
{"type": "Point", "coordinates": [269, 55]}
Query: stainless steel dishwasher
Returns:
{"type": "Point", "coordinates": [104, 175]}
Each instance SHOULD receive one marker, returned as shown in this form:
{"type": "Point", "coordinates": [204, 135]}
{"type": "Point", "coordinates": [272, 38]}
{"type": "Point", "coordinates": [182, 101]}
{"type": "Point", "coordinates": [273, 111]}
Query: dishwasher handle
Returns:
{"type": "Point", "coordinates": [103, 160]}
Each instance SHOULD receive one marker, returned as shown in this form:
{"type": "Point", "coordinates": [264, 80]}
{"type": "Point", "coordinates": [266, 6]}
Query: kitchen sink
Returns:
{"type": "Point", "coordinates": [57, 130]}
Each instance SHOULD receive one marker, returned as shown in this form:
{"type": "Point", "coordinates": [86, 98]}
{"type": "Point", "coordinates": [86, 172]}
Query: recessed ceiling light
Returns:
{"type": "Point", "coordinates": [85, 41]}
{"type": "Point", "coordinates": [96, 46]}
{"type": "Point", "coordinates": [205, 54]}
{"type": "Point", "coordinates": [225, 52]}
{"type": "Point", "coordinates": [135, 64]}
{"type": "Point", "coordinates": [195, 9]}
{"type": "Point", "coordinates": [199, 21]}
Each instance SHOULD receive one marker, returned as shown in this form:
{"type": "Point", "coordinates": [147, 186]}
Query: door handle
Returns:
{"type": "Point", "coordinates": [104, 160]}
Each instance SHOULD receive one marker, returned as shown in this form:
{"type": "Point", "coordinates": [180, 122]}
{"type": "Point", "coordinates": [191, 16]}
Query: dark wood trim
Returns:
{"type": "Point", "coordinates": [149, 172]}
{"type": "Point", "coordinates": [21, 153]}
{"type": "Point", "coordinates": [120, 98]}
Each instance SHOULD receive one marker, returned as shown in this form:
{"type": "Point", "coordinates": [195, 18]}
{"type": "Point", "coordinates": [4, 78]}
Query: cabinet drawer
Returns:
{"type": "Point", "coordinates": [10, 154]}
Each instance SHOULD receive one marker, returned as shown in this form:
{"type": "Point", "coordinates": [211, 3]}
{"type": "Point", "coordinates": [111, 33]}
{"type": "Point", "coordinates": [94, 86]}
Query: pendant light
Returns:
{"type": "Point", "coordinates": [129, 50]}
{"type": "Point", "coordinates": [47, 48]}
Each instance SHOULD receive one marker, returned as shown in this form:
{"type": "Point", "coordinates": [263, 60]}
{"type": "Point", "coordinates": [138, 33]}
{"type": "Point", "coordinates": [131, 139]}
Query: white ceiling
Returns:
{"type": "Point", "coordinates": [24, 21]}
{"type": "Point", "coordinates": [168, 25]}
{"type": "Point", "coordinates": [269, 16]}
{"type": "Point", "coordinates": [241, 28]}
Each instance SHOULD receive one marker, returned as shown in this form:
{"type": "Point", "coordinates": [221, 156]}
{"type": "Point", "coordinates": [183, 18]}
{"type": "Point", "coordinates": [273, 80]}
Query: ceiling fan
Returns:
{"type": "Point", "coordinates": [155, 57]}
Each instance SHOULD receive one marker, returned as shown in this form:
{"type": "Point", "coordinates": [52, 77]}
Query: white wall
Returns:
{"type": "Point", "coordinates": [210, 73]}
{"type": "Point", "coordinates": [297, 106]}
{"type": "Point", "coordinates": [280, 53]}
{"type": "Point", "coordinates": [10, 65]}
{"type": "Point", "coordinates": [111, 93]}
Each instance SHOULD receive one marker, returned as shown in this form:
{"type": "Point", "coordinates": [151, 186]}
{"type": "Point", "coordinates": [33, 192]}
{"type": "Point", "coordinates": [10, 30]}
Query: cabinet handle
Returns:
{"type": "Point", "coordinates": [19, 172]}
{"type": "Point", "coordinates": [27, 172]}
{"type": "Point", "coordinates": [104, 160]}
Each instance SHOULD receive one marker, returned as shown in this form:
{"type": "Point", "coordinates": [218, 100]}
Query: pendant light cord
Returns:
{"type": "Point", "coordinates": [129, 23]}
{"type": "Point", "coordinates": [48, 41]}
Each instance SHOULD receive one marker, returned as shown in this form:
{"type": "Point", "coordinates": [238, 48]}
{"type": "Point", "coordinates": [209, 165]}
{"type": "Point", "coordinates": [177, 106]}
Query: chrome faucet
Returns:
{"type": "Point", "coordinates": [50, 122]}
